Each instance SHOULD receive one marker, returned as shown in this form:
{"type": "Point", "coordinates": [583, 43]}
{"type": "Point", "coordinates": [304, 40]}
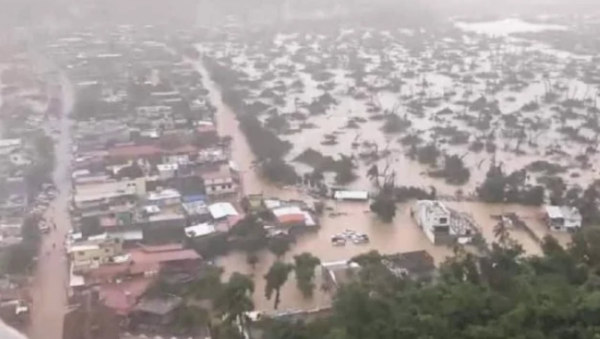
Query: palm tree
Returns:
{"type": "Point", "coordinates": [276, 278]}
{"type": "Point", "coordinates": [501, 232]}
{"type": "Point", "coordinates": [373, 174]}
{"type": "Point", "coordinates": [304, 268]}
{"type": "Point", "coordinates": [235, 299]}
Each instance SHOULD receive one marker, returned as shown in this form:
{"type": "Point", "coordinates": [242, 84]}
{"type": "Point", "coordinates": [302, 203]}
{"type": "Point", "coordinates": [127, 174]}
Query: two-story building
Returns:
{"type": "Point", "coordinates": [222, 182]}
{"type": "Point", "coordinates": [440, 224]}
{"type": "Point", "coordinates": [91, 253]}
{"type": "Point", "coordinates": [563, 218]}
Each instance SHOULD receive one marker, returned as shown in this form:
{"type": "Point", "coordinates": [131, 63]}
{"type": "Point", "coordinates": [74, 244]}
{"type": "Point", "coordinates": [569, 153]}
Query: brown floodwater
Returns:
{"type": "Point", "coordinates": [400, 236]}
{"type": "Point", "coordinates": [409, 172]}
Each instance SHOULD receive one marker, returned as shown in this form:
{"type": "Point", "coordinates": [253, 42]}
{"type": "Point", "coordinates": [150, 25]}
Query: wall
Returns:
{"type": "Point", "coordinates": [102, 254]}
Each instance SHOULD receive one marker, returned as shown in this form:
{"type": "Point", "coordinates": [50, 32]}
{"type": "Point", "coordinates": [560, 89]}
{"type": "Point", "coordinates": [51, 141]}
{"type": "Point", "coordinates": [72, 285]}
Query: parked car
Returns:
{"type": "Point", "coordinates": [338, 241]}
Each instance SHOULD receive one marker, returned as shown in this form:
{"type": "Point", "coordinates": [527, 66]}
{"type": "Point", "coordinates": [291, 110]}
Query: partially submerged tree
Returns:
{"type": "Point", "coordinates": [384, 203]}
{"type": "Point", "coordinates": [279, 245]}
{"type": "Point", "coordinates": [235, 299]}
{"type": "Point", "coordinates": [276, 278]}
{"type": "Point", "coordinates": [304, 267]}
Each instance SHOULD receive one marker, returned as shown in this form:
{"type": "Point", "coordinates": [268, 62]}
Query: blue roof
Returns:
{"type": "Point", "coordinates": [195, 197]}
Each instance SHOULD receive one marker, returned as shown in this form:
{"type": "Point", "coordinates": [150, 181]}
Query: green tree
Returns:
{"type": "Point", "coordinates": [499, 294]}
{"type": "Point", "coordinates": [279, 245]}
{"type": "Point", "coordinates": [206, 285]}
{"type": "Point", "coordinates": [276, 278]}
{"type": "Point", "coordinates": [493, 187]}
{"type": "Point", "coordinates": [235, 299]}
{"type": "Point", "coordinates": [250, 234]}
{"type": "Point", "coordinates": [189, 319]}
{"type": "Point", "coordinates": [304, 267]}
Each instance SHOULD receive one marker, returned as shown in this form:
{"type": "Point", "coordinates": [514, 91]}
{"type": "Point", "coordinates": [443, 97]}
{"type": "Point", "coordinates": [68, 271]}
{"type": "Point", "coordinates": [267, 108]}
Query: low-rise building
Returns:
{"type": "Point", "coordinates": [337, 273]}
{"type": "Point", "coordinates": [440, 224]}
{"type": "Point", "coordinates": [152, 313]}
{"type": "Point", "coordinates": [563, 218]}
{"type": "Point", "coordinates": [221, 182]}
{"type": "Point", "coordinates": [94, 252]}
{"type": "Point", "coordinates": [418, 265]}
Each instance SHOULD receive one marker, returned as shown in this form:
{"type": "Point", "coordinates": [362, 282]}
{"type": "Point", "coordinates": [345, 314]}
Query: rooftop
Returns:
{"type": "Point", "coordinates": [434, 206]}
{"type": "Point", "coordinates": [222, 209]}
{"type": "Point", "coordinates": [163, 254]}
{"type": "Point", "coordinates": [351, 195]}
{"type": "Point", "coordinates": [83, 248]}
{"type": "Point", "coordinates": [200, 230]}
{"type": "Point", "coordinates": [159, 306]}
{"type": "Point", "coordinates": [134, 151]}
{"type": "Point", "coordinates": [164, 194]}
{"type": "Point", "coordinates": [562, 212]}
{"type": "Point", "coordinates": [122, 297]}
{"type": "Point", "coordinates": [10, 142]}
{"type": "Point", "coordinates": [414, 263]}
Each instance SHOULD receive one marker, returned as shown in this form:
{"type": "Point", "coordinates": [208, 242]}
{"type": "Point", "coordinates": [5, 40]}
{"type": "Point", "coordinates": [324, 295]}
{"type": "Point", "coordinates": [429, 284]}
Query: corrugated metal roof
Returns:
{"type": "Point", "coordinates": [553, 212]}
{"type": "Point", "coordinates": [351, 195]}
{"type": "Point", "coordinates": [221, 210]}
{"type": "Point", "coordinates": [200, 230]}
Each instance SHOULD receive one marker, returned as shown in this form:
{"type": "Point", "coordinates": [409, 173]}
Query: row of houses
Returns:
{"type": "Point", "coordinates": [151, 178]}
{"type": "Point", "coordinates": [148, 166]}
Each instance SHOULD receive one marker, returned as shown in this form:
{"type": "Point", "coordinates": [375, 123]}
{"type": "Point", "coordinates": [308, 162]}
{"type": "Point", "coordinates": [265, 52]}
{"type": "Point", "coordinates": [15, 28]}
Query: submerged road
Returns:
{"type": "Point", "coordinates": [51, 277]}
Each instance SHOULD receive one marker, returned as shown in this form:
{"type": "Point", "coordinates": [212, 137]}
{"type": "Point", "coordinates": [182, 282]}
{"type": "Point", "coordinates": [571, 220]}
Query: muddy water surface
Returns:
{"type": "Point", "coordinates": [400, 236]}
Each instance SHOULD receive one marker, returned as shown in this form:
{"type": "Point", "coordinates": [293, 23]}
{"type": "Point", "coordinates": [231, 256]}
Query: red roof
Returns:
{"type": "Point", "coordinates": [122, 297]}
{"type": "Point", "coordinates": [291, 218]}
{"type": "Point", "coordinates": [144, 259]}
{"type": "Point", "coordinates": [182, 150]}
{"type": "Point", "coordinates": [107, 272]}
{"type": "Point", "coordinates": [162, 254]}
{"type": "Point", "coordinates": [110, 272]}
{"type": "Point", "coordinates": [134, 151]}
{"type": "Point", "coordinates": [206, 128]}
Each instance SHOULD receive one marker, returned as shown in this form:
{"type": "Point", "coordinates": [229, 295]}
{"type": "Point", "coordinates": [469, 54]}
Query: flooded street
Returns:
{"type": "Point", "coordinates": [51, 278]}
{"type": "Point", "coordinates": [227, 125]}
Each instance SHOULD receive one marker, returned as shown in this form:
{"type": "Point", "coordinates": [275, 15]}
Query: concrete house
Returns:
{"type": "Point", "coordinates": [440, 224]}
{"type": "Point", "coordinates": [563, 218]}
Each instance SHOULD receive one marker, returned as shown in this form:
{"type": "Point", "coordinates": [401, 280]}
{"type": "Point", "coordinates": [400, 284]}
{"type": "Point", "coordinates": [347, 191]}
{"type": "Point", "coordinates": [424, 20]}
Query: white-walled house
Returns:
{"type": "Point", "coordinates": [221, 182]}
{"type": "Point", "coordinates": [440, 224]}
{"type": "Point", "coordinates": [563, 218]}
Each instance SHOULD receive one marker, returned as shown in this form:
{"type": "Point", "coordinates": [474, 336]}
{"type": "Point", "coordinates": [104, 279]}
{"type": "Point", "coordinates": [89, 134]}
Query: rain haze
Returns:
{"type": "Point", "coordinates": [299, 168]}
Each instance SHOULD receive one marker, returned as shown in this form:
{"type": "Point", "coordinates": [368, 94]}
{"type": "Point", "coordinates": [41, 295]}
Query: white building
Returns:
{"type": "Point", "coordinates": [220, 182]}
{"type": "Point", "coordinates": [362, 196]}
{"type": "Point", "coordinates": [167, 171]}
{"type": "Point", "coordinates": [166, 197]}
{"type": "Point", "coordinates": [91, 193]}
{"type": "Point", "coordinates": [222, 210]}
{"type": "Point", "coordinates": [200, 230]}
{"type": "Point", "coordinates": [440, 224]}
{"type": "Point", "coordinates": [563, 218]}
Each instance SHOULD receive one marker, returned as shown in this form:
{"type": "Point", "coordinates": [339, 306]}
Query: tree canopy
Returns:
{"type": "Point", "coordinates": [502, 294]}
{"type": "Point", "coordinates": [304, 267]}
{"type": "Point", "coordinates": [276, 278]}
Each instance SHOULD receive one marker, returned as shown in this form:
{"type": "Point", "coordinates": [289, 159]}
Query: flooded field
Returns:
{"type": "Point", "coordinates": [435, 90]}
{"type": "Point", "coordinates": [428, 93]}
